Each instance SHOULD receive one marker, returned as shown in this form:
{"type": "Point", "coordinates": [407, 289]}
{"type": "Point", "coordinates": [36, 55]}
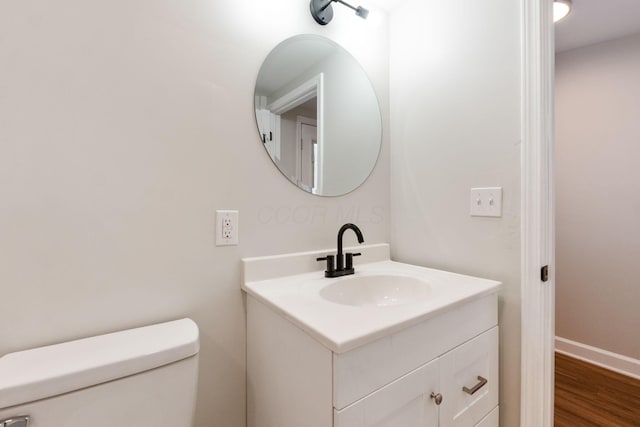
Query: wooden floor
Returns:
{"type": "Point", "coordinates": [587, 395]}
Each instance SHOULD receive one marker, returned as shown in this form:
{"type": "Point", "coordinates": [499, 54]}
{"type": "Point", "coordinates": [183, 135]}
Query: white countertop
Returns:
{"type": "Point", "coordinates": [342, 327]}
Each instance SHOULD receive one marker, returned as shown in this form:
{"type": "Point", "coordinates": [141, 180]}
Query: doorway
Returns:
{"type": "Point", "coordinates": [307, 154]}
{"type": "Point", "coordinates": [597, 89]}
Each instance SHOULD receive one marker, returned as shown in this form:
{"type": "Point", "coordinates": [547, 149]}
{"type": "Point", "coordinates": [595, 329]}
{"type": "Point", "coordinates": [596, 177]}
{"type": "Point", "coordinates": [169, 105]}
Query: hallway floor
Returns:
{"type": "Point", "coordinates": [587, 395]}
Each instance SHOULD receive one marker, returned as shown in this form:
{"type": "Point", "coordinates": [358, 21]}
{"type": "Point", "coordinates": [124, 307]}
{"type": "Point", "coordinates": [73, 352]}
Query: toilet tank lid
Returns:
{"type": "Point", "coordinates": [43, 372]}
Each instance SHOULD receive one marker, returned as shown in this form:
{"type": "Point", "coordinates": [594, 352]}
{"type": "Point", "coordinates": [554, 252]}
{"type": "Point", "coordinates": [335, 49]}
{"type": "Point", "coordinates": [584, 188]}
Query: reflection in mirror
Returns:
{"type": "Point", "coordinates": [317, 115]}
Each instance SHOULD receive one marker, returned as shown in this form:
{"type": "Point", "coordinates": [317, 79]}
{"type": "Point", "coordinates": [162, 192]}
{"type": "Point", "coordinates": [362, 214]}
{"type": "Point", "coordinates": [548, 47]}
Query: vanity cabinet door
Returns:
{"type": "Point", "coordinates": [491, 420]}
{"type": "Point", "coordinates": [405, 402]}
{"type": "Point", "coordinates": [469, 381]}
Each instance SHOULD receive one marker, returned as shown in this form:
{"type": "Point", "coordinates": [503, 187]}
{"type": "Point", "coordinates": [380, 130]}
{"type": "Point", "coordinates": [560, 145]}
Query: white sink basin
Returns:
{"type": "Point", "coordinates": [376, 291]}
{"type": "Point", "coordinates": [344, 313]}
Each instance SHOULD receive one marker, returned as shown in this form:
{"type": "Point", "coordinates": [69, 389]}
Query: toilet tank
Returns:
{"type": "Point", "coordinates": [144, 377]}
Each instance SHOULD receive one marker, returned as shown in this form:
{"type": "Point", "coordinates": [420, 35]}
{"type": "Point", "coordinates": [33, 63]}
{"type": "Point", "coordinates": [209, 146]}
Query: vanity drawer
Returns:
{"type": "Point", "coordinates": [361, 371]}
{"type": "Point", "coordinates": [469, 381]}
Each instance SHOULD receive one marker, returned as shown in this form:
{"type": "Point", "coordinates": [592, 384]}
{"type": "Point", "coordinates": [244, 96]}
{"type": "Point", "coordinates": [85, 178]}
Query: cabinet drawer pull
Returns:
{"type": "Point", "coordinates": [482, 382]}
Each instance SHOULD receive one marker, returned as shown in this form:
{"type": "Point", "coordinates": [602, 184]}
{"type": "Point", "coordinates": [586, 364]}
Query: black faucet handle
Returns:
{"type": "Point", "coordinates": [349, 259]}
{"type": "Point", "coordinates": [329, 259]}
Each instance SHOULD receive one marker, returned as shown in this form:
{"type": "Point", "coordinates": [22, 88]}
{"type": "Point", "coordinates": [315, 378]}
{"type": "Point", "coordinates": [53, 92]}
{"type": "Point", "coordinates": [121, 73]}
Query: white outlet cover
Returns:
{"type": "Point", "coordinates": [227, 227]}
{"type": "Point", "coordinates": [486, 202]}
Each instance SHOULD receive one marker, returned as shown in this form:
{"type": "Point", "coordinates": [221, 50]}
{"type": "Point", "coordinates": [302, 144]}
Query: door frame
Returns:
{"type": "Point", "coordinates": [300, 120]}
{"type": "Point", "coordinates": [538, 215]}
{"type": "Point", "coordinates": [300, 94]}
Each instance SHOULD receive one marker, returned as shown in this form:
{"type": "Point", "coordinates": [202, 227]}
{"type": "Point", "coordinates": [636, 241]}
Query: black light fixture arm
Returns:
{"type": "Point", "coordinates": [346, 4]}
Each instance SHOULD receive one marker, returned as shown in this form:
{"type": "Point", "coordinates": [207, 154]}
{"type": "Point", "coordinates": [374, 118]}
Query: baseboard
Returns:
{"type": "Point", "coordinates": [615, 362]}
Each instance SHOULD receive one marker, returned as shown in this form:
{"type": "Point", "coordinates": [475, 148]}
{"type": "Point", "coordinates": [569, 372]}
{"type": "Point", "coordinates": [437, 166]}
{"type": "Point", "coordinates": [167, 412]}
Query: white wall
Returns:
{"type": "Point", "coordinates": [598, 195]}
{"type": "Point", "coordinates": [124, 125]}
{"type": "Point", "coordinates": [455, 124]}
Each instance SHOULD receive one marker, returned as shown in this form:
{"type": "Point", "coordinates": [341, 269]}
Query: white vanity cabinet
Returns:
{"type": "Point", "coordinates": [294, 381]}
{"type": "Point", "coordinates": [410, 346]}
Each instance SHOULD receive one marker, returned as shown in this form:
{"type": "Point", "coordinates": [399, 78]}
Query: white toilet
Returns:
{"type": "Point", "coordinates": [144, 377]}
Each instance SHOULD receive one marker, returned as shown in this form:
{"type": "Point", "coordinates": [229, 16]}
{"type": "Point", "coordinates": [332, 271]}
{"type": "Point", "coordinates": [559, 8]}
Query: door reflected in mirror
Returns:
{"type": "Point", "coordinates": [317, 115]}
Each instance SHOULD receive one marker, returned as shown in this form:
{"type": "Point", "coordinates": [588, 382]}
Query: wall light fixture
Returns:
{"type": "Point", "coordinates": [322, 11]}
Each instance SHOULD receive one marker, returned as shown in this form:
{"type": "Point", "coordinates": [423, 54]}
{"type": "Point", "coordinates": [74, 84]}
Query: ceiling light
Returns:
{"type": "Point", "coordinates": [561, 8]}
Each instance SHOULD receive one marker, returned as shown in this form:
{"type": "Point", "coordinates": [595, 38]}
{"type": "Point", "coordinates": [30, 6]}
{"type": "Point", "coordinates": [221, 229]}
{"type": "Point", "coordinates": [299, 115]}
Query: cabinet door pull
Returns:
{"type": "Point", "coordinates": [437, 398]}
{"type": "Point", "coordinates": [482, 382]}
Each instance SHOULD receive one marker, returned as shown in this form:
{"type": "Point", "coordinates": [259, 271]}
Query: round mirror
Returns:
{"type": "Point", "coordinates": [317, 115]}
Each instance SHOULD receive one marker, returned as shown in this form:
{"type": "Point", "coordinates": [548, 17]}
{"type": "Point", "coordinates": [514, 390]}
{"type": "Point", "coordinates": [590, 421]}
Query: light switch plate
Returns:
{"type": "Point", "coordinates": [486, 202]}
{"type": "Point", "coordinates": [227, 227]}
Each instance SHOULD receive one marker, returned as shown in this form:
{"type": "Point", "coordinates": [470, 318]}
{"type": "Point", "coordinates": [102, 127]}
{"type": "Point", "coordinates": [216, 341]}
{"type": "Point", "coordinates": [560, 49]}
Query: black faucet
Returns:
{"type": "Point", "coordinates": [344, 263]}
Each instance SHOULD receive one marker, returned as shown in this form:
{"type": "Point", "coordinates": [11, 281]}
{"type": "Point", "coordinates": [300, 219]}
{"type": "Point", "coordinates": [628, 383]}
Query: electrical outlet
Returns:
{"type": "Point", "coordinates": [486, 202]}
{"type": "Point", "coordinates": [226, 228]}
